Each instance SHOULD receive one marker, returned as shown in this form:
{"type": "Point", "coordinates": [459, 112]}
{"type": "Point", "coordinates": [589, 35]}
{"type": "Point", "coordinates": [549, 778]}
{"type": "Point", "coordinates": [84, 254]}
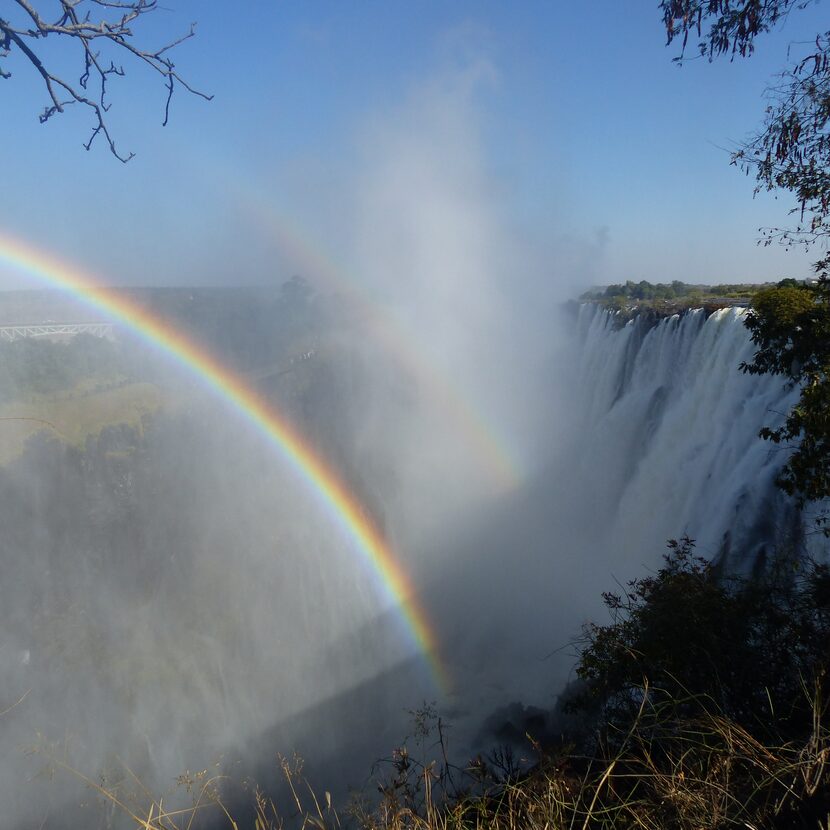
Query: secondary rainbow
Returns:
{"type": "Point", "coordinates": [342, 505]}
{"type": "Point", "coordinates": [472, 426]}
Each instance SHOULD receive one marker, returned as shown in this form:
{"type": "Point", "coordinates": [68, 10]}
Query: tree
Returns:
{"type": "Point", "coordinates": [791, 327]}
{"type": "Point", "coordinates": [101, 31]}
{"type": "Point", "coordinates": [792, 150]}
{"type": "Point", "coordinates": [790, 323]}
{"type": "Point", "coordinates": [747, 649]}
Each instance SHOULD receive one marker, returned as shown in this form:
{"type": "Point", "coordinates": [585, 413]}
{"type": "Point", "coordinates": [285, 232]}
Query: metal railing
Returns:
{"type": "Point", "coordinates": [10, 333]}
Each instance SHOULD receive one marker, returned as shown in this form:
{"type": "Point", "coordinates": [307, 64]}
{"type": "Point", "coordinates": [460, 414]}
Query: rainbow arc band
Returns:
{"type": "Point", "coordinates": [469, 420]}
{"type": "Point", "coordinates": [347, 511]}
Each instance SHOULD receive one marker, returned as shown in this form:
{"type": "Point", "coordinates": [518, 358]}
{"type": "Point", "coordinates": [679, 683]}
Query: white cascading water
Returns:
{"type": "Point", "coordinates": [658, 433]}
{"type": "Point", "coordinates": [658, 437]}
{"type": "Point", "coordinates": [670, 428]}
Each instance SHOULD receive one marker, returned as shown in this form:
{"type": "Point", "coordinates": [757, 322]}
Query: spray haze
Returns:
{"type": "Point", "coordinates": [434, 245]}
{"type": "Point", "coordinates": [188, 596]}
{"type": "Point", "coordinates": [178, 594]}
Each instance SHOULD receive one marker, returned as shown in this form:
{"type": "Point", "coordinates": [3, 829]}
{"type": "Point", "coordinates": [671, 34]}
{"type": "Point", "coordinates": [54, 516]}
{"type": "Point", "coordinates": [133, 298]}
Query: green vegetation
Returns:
{"type": "Point", "coordinates": [74, 415]}
{"type": "Point", "coordinates": [75, 388]}
{"type": "Point", "coordinates": [728, 730]}
{"type": "Point", "coordinates": [29, 366]}
{"type": "Point", "coordinates": [703, 703]}
{"type": "Point", "coordinates": [750, 647]}
{"type": "Point", "coordinates": [668, 298]}
{"type": "Point", "coordinates": [71, 389]}
{"type": "Point", "coordinates": [790, 324]}
{"type": "Point", "coordinates": [792, 151]}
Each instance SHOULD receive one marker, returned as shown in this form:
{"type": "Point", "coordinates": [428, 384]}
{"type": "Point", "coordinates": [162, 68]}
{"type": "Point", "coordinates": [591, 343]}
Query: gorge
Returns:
{"type": "Point", "coordinates": [171, 597]}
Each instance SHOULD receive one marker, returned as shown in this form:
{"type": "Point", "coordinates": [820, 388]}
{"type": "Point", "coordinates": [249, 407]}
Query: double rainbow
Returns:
{"type": "Point", "coordinates": [488, 447]}
{"type": "Point", "coordinates": [344, 508]}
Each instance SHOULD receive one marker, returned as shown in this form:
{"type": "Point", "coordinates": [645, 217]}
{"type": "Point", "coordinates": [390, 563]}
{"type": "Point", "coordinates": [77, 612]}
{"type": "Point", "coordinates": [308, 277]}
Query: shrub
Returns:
{"type": "Point", "coordinates": [747, 648]}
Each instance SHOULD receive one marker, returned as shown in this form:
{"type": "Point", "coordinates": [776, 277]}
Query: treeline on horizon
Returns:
{"type": "Point", "coordinates": [675, 290]}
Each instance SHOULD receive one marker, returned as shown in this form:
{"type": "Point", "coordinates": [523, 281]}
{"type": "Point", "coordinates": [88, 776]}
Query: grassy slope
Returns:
{"type": "Point", "coordinates": [75, 414]}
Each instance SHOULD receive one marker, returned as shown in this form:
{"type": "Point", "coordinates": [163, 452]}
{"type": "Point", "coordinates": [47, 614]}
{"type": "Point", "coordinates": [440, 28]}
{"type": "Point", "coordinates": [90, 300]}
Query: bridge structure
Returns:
{"type": "Point", "coordinates": [56, 330]}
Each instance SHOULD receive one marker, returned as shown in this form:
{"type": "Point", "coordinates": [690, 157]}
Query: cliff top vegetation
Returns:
{"type": "Point", "coordinates": [670, 298]}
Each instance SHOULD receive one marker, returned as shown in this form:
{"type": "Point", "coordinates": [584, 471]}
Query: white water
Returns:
{"type": "Point", "coordinates": [652, 434]}
{"type": "Point", "coordinates": [670, 433]}
{"type": "Point", "coordinates": [658, 437]}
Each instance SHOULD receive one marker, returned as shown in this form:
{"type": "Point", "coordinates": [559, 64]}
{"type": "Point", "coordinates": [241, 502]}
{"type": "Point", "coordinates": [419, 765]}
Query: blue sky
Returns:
{"type": "Point", "coordinates": [605, 159]}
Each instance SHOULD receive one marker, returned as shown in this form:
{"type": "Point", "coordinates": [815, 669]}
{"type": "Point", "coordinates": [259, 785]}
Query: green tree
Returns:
{"type": "Point", "coordinates": [791, 327]}
{"type": "Point", "coordinates": [747, 649]}
{"type": "Point", "coordinates": [792, 150]}
{"type": "Point", "coordinates": [790, 324]}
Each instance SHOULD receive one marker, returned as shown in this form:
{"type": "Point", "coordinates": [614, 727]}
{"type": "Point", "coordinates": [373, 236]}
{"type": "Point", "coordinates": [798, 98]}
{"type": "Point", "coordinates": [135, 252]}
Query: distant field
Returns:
{"type": "Point", "coordinates": [72, 416]}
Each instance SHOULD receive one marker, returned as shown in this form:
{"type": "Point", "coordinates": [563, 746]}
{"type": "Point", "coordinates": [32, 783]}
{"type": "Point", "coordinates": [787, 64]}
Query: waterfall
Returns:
{"type": "Point", "coordinates": [183, 601]}
{"type": "Point", "coordinates": [668, 433]}
{"type": "Point", "coordinates": [657, 437]}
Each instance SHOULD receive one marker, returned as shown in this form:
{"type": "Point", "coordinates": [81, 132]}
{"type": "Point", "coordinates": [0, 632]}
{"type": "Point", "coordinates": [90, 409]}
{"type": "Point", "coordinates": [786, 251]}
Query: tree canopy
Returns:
{"type": "Point", "coordinates": [101, 32]}
{"type": "Point", "coordinates": [789, 323]}
{"type": "Point", "coordinates": [750, 647]}
{"type": "Point", "coordinates": [792, 150]}
{"type": "Point", "coordinates": [791, 326]}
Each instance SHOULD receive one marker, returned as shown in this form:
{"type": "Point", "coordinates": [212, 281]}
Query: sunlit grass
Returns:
{"type": "Point", "coordinates": [72, 416]}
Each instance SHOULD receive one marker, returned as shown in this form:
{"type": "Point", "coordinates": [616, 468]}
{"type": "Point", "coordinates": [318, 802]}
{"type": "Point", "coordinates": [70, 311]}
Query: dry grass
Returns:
{"type": "Point", "coordinates": [706, 772]}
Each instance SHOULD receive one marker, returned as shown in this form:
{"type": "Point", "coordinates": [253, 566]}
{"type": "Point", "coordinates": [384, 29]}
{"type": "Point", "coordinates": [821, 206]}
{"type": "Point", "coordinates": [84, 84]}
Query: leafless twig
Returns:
{"type": "Point", "coordinates": [91, 24]}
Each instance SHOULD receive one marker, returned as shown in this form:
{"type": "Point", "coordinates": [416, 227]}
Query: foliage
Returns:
{"type": "Point", "coordinates": [791, 327]}
{"type": "Point", "coordinates": [101, 31]}
{"type": "Point", "coordinates": [29, 365]}
{"type": "Point", "coordinates": [785, 322]}
{"type": "Point", "coordinates": [644, 290]}
{"type": "Point", "coordinates": [746, 648]}
{"type": "Point", "coordinates": [653, 301]}
{"type": "Point", "coordinates": [646, 293]}
{"type": "Point", "coordinates": [792, 150]}
{"type": "Point", "coordinates": [790, 324]}
{"type": "Point", "coordinates": [735, 23]}
{"type": "Point", "coordinates": [666, 772]}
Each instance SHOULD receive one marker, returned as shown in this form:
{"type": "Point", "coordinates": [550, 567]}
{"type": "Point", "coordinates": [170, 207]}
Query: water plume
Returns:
{"type": "Point", "coordinates": [171, 593]}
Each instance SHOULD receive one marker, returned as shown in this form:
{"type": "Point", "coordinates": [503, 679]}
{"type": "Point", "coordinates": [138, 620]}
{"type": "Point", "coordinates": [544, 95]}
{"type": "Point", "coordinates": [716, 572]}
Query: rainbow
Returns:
{"type": "Point", "coordinates": [470, 423]}
{"type": "Point", "coordinates": [344, 508]}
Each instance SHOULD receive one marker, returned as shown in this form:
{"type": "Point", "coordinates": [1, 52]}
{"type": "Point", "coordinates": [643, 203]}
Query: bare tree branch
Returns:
{"type": "Point", "coordinates": [110, 27]}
